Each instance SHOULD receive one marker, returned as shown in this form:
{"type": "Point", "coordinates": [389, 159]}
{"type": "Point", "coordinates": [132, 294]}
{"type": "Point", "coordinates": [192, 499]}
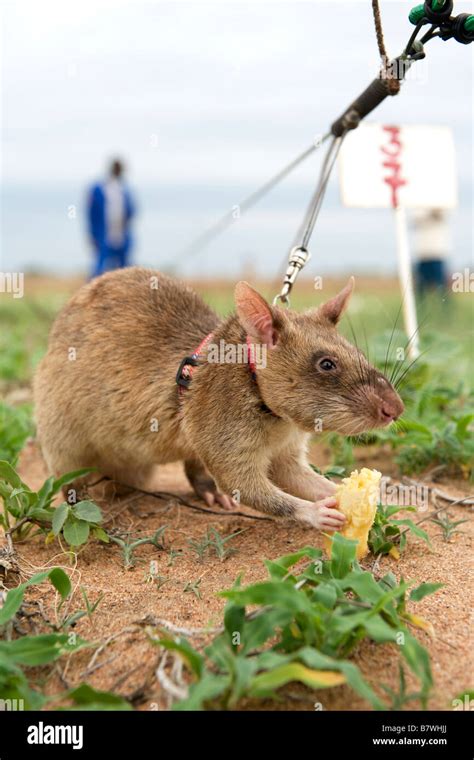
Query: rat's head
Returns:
{"type": "Point", "coordinates": [311, 374]}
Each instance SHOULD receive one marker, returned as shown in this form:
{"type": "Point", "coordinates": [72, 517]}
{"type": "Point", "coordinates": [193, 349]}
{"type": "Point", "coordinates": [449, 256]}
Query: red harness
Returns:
{"type": "Point", "coordinates": [186, 368]}
{"type": "Point", "coordinates": [187, 365]}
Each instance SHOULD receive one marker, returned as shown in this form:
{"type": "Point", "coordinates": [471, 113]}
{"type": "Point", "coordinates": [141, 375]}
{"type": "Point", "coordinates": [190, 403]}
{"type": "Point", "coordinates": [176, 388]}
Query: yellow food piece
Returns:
{"type": "Point", "coordinates": [357, 498]}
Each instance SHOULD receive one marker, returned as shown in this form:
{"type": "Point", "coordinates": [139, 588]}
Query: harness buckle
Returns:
{"type": "Point", "coordinates": [184, 382]}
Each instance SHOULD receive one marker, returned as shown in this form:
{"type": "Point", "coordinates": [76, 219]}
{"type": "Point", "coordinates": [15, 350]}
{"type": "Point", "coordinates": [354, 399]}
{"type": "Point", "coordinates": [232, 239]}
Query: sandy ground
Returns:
{"type": "Point", "coordinates": [127, 664]}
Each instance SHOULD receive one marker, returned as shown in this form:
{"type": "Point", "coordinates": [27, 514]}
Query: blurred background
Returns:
{"type": "Point", "coordinates": [204, 102]}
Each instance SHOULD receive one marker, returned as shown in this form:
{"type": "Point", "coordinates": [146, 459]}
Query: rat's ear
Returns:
{"type": "Point", "coordinates": [255, 315]}
{"type": "Point", "coordinates": [334, 309]}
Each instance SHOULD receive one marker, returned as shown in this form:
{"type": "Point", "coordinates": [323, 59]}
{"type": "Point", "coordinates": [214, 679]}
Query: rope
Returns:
{"type": "Point", "coordinates": [386, 73]}
{"type": "Point", "coordinates": [378, 29]}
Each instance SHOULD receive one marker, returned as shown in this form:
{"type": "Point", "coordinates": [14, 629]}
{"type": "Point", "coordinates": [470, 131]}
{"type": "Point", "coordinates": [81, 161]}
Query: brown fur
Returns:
{"type": "Point", "coordinates": [97, 410]}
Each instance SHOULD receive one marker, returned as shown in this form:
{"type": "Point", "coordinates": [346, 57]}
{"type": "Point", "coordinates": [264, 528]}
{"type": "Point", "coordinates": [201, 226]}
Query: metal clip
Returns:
{"type": "Point", "coordinates": [297, 259]}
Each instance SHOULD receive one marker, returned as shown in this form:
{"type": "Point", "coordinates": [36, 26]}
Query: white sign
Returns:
{"type": "Point", "coordinates": [384, 165]}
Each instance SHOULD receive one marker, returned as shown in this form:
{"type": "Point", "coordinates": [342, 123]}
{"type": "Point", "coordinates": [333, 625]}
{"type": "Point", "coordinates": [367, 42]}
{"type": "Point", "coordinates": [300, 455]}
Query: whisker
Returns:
{"type": "Point", "coordinates": [391, 336]}
{"type": "Point", "coordinates": [361, 373]}
{"type": "Point", "coordinates": [400, 378]}
{"type": "Point", "coordinates": [399, 367]}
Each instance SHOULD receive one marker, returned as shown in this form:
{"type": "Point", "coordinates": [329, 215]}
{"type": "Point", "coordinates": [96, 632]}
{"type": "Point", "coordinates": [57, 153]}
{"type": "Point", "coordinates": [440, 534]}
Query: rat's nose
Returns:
{"type": "Point", "coordinates": [388, 412]}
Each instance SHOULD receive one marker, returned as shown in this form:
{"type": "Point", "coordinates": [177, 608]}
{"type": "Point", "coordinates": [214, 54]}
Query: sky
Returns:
{"type": "Point", "coordinates": [205, 101]}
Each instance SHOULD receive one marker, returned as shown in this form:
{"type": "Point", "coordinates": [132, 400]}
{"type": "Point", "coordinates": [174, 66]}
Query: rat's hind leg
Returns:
{"type": "Point", "coordinates": [141, 477]}
{"type": "Point", "coordinates": [114, 481]}
{"type": "Point", "coordinates": [116, 473]}
{"type": "Point", "coordinates": [60, 462]}
{"type": "Point", "coordinates": [204, 485]}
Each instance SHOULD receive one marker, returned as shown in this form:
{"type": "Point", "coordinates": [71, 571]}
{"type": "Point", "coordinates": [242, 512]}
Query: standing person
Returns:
{"type": "Point", "coordinates": [109, 212]}
{"type": "Point", "coordinates": [432, 246]}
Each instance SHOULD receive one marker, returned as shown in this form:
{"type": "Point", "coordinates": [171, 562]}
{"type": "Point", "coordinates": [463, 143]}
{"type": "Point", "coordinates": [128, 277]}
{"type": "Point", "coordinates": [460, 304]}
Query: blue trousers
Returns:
{"type": "Point", "coordinates": [430, 275]}
{"type": "Point", "coordinates": [108, 258]}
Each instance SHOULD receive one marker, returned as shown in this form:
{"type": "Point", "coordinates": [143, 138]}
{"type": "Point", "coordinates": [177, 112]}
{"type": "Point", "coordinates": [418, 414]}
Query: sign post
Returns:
{"type": "Point", "coordinates": [406, 283]}
{"type": "Point", "coordinates": [392, 162]}
{"type": "Point", "coordinates": [388, 166]}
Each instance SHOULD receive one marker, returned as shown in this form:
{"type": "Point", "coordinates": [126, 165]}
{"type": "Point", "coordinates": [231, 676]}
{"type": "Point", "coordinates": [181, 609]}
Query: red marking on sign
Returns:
{"type": "Point", "coordinates": [393, 151]}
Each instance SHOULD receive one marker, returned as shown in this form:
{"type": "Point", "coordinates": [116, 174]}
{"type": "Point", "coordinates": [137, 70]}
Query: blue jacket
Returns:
{"type": "Point", "coordinates": [96, 216]}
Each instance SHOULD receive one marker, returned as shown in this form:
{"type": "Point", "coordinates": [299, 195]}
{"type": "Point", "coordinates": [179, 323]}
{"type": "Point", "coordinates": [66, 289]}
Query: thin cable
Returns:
{"type": "Point", "coordinates": [300, 232]}
{"type": "Point", "coordinates": [322, 172]}
{"type": "Point", "coordinates": [315, 206]}
{"type": "Point", "coordinates": [301, 229]}
{"type": "Point", "coordinates": [228, 218]}
{"type": "Point", "coordinates": [299, 255]}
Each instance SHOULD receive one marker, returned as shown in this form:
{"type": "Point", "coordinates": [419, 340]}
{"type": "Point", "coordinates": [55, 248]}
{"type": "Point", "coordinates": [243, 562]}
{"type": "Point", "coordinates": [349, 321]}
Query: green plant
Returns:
{"type": "Point", "coordinates": [129, 545]}
{"type": "Point", "coordinates": [85, 697]}
{"type": "Point", "coordinates": [342, 451]}
{"type": "Point", "coordinates": [192, 587]}
{"type": "Point", "coordinates": [386, 536]}
{"type": "Point", "coordinates": [30, 508]}
{"type": "Point", "coordinates": [302, 627]}
{"type": "Point", "coordinates": [15, 427]}
{"type": "Point", "coordinates": [199, 547]}
{"type": "Point", "coordinates": [450, 444]}
{"type": "Point", "coordinates": [14, 360]}
{"type": "Point", "coordinates": [31, 651]}
{"type": "Point", "coordinates": [447, 525]}
{"type": "Point", "coordinates": [71, 620]}
{"type": "Point", "coordinates": [15, 596]}
{"type": "Point", "coordinates": [212, 541]}
{"type": "Point", "coordinates": [333, 471]}
{"type": "Point", "coordinates": [174, 554]}
{"type": "Point", "coordinates": [19, 655]}
{"type": "Point", "coordinates": [436, 428]}
{"type": "Point", "coordinates": [218, 543]}
{"type": "Point", "coordinates": [76, 521]}
{"type": "Point", "coordinates": [24, 328]}
{"type": "Point", "coordinates": [399, 699]}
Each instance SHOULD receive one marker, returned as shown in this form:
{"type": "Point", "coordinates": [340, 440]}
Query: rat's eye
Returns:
{"type": "Point", "coordinates": [326, 364]}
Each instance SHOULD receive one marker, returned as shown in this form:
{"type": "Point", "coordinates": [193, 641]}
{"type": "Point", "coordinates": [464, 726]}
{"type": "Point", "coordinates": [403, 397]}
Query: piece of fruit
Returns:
{"type": "Point", "coordinates": [357, 497]}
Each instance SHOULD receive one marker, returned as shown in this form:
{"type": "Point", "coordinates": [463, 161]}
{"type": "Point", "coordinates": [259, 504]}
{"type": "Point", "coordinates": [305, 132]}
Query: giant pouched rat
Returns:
{"type": "Point", "coordinates": [106, 392]}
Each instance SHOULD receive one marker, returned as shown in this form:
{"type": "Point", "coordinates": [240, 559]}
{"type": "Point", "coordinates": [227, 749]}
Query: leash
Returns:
{"type": "Point", "coordinates": [214, 230]}
{"type": "Point", "coordinates": [299, 254]}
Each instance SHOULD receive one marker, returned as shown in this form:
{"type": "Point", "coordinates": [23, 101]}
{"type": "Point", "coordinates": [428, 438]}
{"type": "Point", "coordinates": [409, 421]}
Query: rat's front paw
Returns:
{"type": "Point", "coordinates": [323, 515]}
{"type": "Point", "coordinates": [323, 488]}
